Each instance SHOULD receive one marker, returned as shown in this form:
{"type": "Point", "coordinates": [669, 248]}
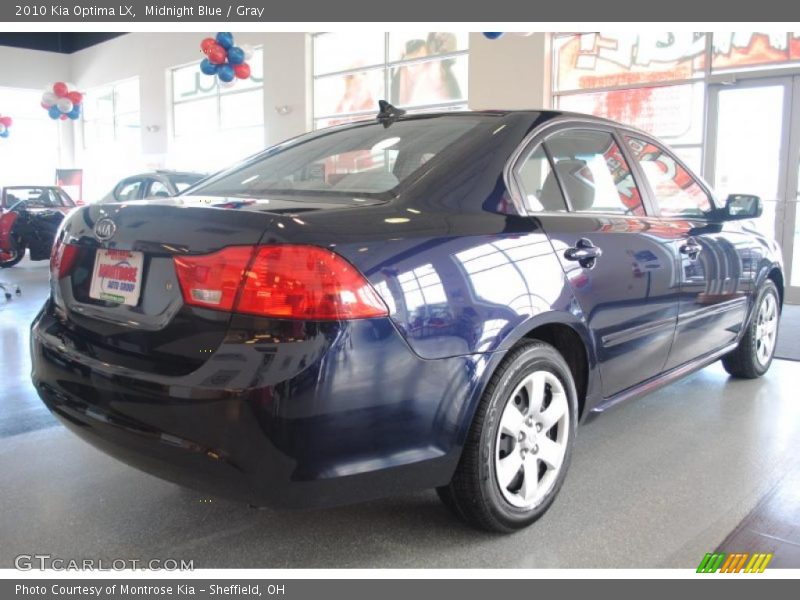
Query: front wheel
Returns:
{"type": "Point", "coordinates": [753, 356]}
{"type": "Point", "coordinates": [12, 257]}
{"type": "Point", "coordinates": [520, 443]}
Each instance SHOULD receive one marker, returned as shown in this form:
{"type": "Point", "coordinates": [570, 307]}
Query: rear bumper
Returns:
{"type": "Point", "coordinates": [336, 415]}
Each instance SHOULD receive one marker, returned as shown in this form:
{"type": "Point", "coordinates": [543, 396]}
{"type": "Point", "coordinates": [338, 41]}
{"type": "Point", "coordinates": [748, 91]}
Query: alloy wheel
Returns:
{"type": "Point", "coordinates": [532, 439]}
{"type": "Point", "coordinates": [766, 329]}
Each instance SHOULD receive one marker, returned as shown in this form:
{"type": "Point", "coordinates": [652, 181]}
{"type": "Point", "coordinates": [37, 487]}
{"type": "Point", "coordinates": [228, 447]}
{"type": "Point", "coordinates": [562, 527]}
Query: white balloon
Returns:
{"type": "Point", "coordinates": [2, 128]}
{"type": "Point", "coordinates": [248, 51]}
{"type": "Point", "coordinates": [49, 99]}
{"type": "Point", "coordinates": [227, 84]}
{"type": "Point", "coordinates": [64, 105]}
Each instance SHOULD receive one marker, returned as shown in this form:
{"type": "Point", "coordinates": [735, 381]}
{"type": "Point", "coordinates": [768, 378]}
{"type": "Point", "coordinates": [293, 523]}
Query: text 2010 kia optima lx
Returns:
{"type": "Point", "coordinates": [402, 303]}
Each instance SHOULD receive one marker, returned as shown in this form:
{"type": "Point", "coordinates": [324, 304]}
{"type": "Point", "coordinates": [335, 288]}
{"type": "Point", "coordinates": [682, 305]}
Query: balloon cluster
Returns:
{"type": "Point", "coordinates": [5, 123]}
{"type": "Point", "coordinates": [225, 60]}
{"type": "Point", "coordinates": [60, 103]}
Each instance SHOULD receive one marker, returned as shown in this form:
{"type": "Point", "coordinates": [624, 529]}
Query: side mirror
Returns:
{"type": "Point", "coordinates": [742, 206]}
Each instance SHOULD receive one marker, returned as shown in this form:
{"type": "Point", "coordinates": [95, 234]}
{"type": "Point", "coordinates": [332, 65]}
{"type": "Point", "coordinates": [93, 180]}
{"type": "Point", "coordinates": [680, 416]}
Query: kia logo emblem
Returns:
{"type": "Point", "coordinates": [105, 229]}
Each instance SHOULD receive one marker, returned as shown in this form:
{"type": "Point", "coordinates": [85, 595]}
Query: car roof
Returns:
{"type": "Point", "coordinates": [536, 116]}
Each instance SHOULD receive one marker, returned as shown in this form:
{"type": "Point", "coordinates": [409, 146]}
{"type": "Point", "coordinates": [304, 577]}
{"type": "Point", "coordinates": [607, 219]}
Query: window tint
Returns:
{"type": "Point", "coordinates": [158, 190]}
{"type": "Point", "coordinates": [363, 159]}
{"type": "Point", "coordinates": [539, 184]}
{"type": "Point", "coordinates": [677, 192]}
{"type": "Point", "coordinates": [129, 190]}
{"type": "Point", "coordinates": [593, 173]}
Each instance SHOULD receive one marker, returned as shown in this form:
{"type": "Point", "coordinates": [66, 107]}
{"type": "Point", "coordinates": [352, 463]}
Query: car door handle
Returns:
{"type": "Point", "coordinates": [691, 249]}
{"type": "Point", "coordinates": [584, 252]}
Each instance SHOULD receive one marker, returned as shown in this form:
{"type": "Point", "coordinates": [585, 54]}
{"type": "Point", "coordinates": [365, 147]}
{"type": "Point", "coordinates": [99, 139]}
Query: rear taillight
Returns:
{"type": "Point", "coordinates": [213, 280]}
{"type": "Point", "coordinates": [283, 281]}
{"type": "Point", "coordinates": [62, 259]}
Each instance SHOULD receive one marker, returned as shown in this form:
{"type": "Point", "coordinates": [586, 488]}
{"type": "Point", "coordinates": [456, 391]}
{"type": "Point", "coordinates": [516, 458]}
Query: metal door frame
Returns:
{"type": "Point", "coordinates": [788, 196]}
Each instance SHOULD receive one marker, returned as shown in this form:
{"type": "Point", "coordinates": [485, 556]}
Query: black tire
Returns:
{"type": "Point", "coordinates": [743, 361]}
{"type": "Point", "coordinates": [474, 493]}
{"type": "Point", "coordinates": [10, 263]}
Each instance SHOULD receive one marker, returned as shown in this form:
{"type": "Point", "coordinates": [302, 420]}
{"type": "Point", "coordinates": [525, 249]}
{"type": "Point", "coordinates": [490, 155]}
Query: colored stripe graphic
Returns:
{"type": "Point", "coordinates": [734, 563]}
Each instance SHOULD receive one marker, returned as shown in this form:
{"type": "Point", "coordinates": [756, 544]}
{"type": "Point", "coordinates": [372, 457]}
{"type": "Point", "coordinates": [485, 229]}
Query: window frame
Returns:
{"type": "Point", "coordinates": [385, 67]}
{"type": "Point", "coordinates": [219, 92]}
{"type": "Point", "coordinates": [115, 115]}
{"type": "Point", "coordinates": [558, 125]}
{"type": "Point", "coordinates": [625, 131]}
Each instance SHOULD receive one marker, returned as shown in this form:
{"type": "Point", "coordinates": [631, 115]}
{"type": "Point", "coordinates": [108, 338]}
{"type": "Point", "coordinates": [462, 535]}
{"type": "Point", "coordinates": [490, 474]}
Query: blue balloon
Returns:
{"type": "Point", "coordinates": [207, 67]}
{"type": "Point", "coordinates": [225, 39]}
{"type": "Point", "coordinates": [75, 112]}
{"type": "Point", "coordinates": [235, 55]}
{"type": "Point", "coordinates": [54, 112]}
{"type": "Point", "coordinates": [492, 36]}
{"type": "Point", "coordinates": [4, 134]}
{"type": "Point", "coordinates": [226, 73]}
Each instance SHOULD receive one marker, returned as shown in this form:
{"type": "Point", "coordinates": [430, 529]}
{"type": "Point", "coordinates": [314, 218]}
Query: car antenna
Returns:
{"type": "Point", "coordinates": [388, 114]}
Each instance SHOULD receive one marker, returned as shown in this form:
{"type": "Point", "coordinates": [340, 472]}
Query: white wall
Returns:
{"type": "Point", "coordinates": [36, 70]}
{"type": "Point", "coordinates": [32, 69]}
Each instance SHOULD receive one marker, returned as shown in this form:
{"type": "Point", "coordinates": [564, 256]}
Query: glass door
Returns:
{"type": "Point", "coordinates": [754, 148]}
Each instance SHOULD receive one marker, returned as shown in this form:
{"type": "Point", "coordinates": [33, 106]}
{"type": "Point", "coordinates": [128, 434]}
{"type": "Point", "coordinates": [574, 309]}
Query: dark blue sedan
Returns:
{"type": "Point", "coordinates": [409, 302]}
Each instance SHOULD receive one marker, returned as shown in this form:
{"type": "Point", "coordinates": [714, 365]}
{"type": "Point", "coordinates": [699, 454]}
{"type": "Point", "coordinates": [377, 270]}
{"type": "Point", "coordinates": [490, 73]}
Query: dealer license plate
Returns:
{"type": "Point", "coordinates": [117, 276]}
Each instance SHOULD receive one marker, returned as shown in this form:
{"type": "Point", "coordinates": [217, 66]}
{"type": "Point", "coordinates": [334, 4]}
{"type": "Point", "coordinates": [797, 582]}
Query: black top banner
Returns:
{"type": "Point", "coordinates": [266, 11]}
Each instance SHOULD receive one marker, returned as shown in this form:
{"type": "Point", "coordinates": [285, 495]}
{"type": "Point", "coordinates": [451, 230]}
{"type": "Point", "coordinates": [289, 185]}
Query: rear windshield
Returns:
{"type": "Point", "coordinates": [365, 159]}
{"type": "Point", "coordinates": [184, 181]}
{"type": "Point", "coordinates": [35, 197]}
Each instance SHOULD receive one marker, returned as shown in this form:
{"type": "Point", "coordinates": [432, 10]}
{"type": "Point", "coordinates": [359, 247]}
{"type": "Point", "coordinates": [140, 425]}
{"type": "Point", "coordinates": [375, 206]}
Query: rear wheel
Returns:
{"type": "Point", "coordinates": [753, 356]}
{"type": "Point", "coordinates": [520, 443]}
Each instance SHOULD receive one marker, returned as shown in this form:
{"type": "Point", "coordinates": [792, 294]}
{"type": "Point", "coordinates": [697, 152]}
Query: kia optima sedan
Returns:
{"type": "Point", "coordinates": [403, 303]}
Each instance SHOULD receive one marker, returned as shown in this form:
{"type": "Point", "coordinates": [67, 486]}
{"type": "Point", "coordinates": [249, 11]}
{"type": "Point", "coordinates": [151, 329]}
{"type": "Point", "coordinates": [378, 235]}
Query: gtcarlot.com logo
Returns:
{"type": "Point", "coordinates": [41, 562]}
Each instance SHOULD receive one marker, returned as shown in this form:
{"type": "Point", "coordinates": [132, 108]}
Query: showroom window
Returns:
{"type": "Point", "coordinates": [417, 71]}
{"type": "Point", "coordinates": [212, 125]}
{"type": "Point", "coordinates": [658, 81]}
{"type": "Point", "coordinates": [31, 152]}
{"type": "Point", "coordinates": [111, 114]}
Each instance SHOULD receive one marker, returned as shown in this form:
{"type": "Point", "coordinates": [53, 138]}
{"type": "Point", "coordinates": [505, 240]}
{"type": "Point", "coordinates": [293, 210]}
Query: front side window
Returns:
{"type": "Point", "coordinates": [676, 190]}
{"type": "Point", "coordinates": [593, 173]}
{"type": "Point", "coordinates": [539, 184]}
{"type": "Point", "coordinates": [365, 159]}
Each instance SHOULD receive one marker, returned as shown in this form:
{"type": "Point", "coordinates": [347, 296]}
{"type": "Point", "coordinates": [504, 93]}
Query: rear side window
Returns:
{"type": "Point", "coordinates": [593, 173]}
{"type": "Point", "coordinates": [538, 181]}
{"type": "Point", "coordinates": [129, 190]}
{"type": "Point", "coordinates": [157, 190]}
{"type": "Point", "coordinates": [362, 159]}
{"type": "Point", "coordinates": [676, 190]}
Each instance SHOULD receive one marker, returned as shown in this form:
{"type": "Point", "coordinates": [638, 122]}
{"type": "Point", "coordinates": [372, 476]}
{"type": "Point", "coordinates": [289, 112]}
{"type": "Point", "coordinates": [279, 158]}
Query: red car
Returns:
{"type": "Point", "coordinates": [29, 219]}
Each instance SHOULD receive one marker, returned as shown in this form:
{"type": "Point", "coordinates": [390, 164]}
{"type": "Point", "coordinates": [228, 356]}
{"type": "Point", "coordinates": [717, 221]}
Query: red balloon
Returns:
{"type": "Point", "coordinates": [60, 89]}
{"type": "Point", "coordinates": [75, 97]}
{"type": "Point", "coordinates": [6, 121]}
{"type": "Point", "coordinates": [63, 117]}
{"type": "Point", "coordinates": [242, 70]}
{"type": "Point", "coordinates": [217, 54]}
{"type": "Point", "coordinates": [207, 44]}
